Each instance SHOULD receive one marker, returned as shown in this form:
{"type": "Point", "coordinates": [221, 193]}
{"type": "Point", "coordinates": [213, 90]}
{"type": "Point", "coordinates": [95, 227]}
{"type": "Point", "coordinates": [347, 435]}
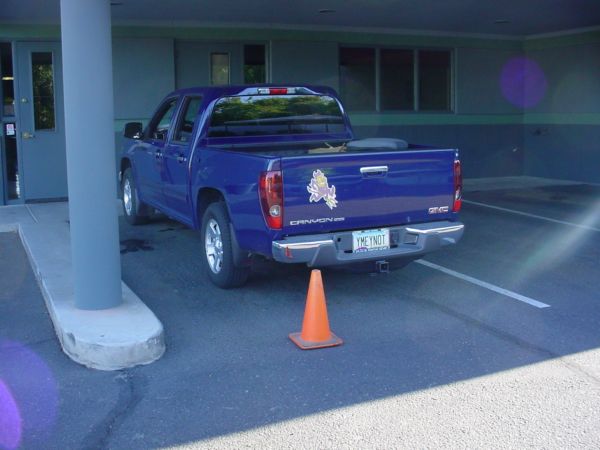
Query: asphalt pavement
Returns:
{"type": "Point", "coordinates": [429, 359]}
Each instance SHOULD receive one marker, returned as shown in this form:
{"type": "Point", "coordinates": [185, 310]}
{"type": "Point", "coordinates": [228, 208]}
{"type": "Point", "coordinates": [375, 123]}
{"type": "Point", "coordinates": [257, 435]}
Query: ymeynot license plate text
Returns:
{"type": "Point", "coordinates": [370, 240]}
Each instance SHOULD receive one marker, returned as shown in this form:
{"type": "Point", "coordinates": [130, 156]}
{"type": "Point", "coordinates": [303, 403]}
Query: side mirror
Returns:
{"type": "Point", "coordinates": [133, 130]}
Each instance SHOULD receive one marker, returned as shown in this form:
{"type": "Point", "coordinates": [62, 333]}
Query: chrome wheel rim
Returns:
{"type": "Point", "coordinates": [213, 244]}
{"type": "Point", "coordinates": [127, 197]}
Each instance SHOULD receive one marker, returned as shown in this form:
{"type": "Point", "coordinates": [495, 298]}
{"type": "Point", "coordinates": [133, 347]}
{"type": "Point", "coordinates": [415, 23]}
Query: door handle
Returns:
{"type": "Point", "coordinates": [374, 170]}
{"type": "Point", "coordinates": [27, 135]}
{"type": "Point", "coordinates": [158, 154]}
{"type": "Point", "coordinates": [181, 159]}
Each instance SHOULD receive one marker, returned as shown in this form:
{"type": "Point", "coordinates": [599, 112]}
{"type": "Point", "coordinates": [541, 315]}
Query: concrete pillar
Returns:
{"type": "Point", "coordinates": [89, 128]}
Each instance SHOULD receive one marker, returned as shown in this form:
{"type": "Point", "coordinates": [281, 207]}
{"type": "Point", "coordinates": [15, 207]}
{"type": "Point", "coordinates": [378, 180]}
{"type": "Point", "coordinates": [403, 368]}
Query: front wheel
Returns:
{"type": "Point", "coordinates": [135, 211]}
{"type": "Point", "coordinates": [218, 249]}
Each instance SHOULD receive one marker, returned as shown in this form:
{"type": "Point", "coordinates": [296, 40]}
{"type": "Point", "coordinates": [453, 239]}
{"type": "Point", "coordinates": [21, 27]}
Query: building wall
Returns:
{"type": "Point", "coordinates": [478, 81]}
{"type": "Point", "coordinates": [192, 62]}
{"type": "Point", "coordinates": [556, 138]}
{"type": "Point", "coordinates": [312, 58]}
{"type": "Point", "coordinates": [484, 126]}
{"type": "Point", "coordinates": [495, 137]}
{"type": "Point", "coordinates": [143, 73]}
{"type": "Point", "coordinates": [485, 150]}
{"type": "Point", "coordinates": [305, 62]}
{"type": "Point", "coordinates": [562, 132]}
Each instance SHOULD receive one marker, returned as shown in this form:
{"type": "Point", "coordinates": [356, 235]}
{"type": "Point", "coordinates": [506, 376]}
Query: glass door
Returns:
{"type": "Point", "coordinates": [10, 188]}
{"type": "Point", "coordinates": [41, 137]}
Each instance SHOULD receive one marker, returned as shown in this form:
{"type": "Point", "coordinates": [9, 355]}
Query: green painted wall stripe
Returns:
{"type": "Point", "coordinates": [415, 119]}
{"type": "Point", "coordinates": [372, 119]}
{"type": "Point", "coordinates": [390, 119]}
{"type": "Point", "coordinates": [561, 119]}
{"type": "Point", "coordinates": [589, 37]}
{"type": "Point", "coordinates": [367, 119]}
{"type": "Point", "coordinates": [13, 31]}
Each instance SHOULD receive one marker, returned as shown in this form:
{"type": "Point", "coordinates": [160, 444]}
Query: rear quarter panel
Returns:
{"type": "Point", "coordinates": [236, 176]}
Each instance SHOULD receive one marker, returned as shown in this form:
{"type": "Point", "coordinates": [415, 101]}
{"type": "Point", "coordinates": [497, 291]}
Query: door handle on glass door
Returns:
{"type": "Point", "coordinates": [27, 135]}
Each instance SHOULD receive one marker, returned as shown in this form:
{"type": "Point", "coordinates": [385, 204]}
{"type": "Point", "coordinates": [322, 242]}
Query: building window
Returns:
{"type": "Point", "coordinates": [254, 64]}
{"type": "Point", "coordinates": [397, 80]}
{"type": "Point", "coordinates": [219, 68]}
{"type": "Point", "coordinates": [434, 80]}
{"type": "Point", "coordinates": [404, 79]}
{"type": "Point", "coordinates": [357, 78]}
{"type": "Point", "coordinates": [42, 69]}
{"type": "Point", "coordinates": [10, 165]}
{"type": "Point", "coordinates": [6, 71]}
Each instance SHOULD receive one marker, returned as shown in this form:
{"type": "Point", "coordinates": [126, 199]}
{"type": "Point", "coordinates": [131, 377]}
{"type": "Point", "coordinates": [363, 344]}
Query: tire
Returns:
{"type": "Point", "coordinates": [218, 251]}
{"type": "Point", "coordinates": [135, 212]}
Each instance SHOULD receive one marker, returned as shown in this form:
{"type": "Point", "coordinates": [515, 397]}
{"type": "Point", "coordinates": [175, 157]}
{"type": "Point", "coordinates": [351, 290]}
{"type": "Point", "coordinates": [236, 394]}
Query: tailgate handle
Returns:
{"type": "Point", "coordinates": [374, 170]}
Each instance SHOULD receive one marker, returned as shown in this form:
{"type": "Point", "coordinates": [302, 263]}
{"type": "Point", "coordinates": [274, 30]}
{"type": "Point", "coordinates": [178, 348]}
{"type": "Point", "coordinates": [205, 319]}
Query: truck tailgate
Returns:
{"type": "Point", "coordinates": [365, 190]}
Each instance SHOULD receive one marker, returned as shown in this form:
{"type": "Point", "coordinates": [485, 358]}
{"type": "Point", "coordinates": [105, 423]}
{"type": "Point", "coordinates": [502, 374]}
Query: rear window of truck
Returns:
{"type": "Point", "coordinates": [268, 115]}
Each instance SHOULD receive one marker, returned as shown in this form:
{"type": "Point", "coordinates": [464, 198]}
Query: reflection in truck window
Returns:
{"type": "Point", "coordinates": [159, 127]}
{"type": "Point", "coordinates": [275, 115]}
{"type": "Point", "coordinates": [185, 126]}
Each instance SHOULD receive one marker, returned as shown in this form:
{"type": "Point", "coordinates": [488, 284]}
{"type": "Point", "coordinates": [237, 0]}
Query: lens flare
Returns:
{"type": "Point", "coordinates": [559, 246]}
{"type": "Point", "coordinates": [28, 397]}
{"type": "Point", "coordinates": [523, 82]}
{"type": "Point", "coordinates": [10, 419]}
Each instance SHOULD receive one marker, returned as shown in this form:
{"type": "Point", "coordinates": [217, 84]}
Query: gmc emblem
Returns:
{"type": "Point", "coordinates": [439, 209]}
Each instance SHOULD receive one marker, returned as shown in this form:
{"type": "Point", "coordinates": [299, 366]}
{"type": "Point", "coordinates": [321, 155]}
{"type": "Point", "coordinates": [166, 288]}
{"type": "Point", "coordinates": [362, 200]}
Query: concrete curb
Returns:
{"type": "Point", "coordinates": [113, 339]}
{"type": "Point", "coordinates": [9, 228]}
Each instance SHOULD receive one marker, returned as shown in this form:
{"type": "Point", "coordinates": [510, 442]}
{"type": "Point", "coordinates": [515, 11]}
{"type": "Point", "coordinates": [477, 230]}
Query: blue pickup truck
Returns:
{"type": "Point", "coordinates": [275, 171]}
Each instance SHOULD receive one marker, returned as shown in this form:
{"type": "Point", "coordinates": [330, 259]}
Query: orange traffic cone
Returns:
{"type": "Point", "coordinates": [315, 327]}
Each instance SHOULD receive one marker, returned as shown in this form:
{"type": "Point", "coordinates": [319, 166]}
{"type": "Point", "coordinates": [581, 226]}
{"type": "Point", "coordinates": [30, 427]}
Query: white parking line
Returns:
{"type": "Point", "coordinates": [534, 216]}
{"type": "Point", "coordinates": [31, 213]}
{"type": "Point", "coordinates": [484, 284]}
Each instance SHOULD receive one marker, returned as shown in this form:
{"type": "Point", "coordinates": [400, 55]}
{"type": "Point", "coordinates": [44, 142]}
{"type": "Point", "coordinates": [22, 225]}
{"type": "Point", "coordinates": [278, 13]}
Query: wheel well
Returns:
{"type": "Point", "coordinates": [206, 196]}
{"type": "Point", "coordinates": [125, 164]}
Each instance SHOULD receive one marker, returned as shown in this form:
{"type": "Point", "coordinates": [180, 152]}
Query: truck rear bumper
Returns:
{"type": "Point", "coordinates": [334, 249]}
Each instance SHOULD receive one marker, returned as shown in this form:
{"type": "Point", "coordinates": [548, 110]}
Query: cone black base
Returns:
{"type": "Point", "coordinates": [310, 345]}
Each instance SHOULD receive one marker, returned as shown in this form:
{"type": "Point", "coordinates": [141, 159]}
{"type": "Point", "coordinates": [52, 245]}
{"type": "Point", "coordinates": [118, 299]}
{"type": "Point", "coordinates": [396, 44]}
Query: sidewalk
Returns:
{"type": "Point", "coordinates": [112, 339]}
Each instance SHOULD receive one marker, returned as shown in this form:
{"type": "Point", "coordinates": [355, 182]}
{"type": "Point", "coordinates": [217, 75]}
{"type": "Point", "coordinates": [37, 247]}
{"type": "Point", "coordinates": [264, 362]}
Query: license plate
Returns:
{"type": "Point", "coordinates": [370, 240]}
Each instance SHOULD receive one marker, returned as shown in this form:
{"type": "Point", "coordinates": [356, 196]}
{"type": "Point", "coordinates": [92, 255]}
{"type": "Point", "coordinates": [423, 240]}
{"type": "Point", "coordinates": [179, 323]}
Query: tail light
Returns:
{"type": "Point", "coordinates": [270, 188]}
{"type": "Point", "coordinates": [276, 91]}
{"type": "Point", "coordinates": [458, 184]}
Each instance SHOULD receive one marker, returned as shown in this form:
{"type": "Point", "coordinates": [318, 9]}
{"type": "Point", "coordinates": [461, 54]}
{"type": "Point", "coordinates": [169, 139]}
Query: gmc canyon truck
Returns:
{"type": "Point", "coordinates": [276, 171]}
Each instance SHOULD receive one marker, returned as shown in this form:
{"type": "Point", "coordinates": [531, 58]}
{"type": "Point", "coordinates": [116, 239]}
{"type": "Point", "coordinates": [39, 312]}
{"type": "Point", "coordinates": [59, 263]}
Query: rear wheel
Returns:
{"type": "Point", "coordinates": [218, 250]}
{"type": "Point", "coordinates": [136, 212]}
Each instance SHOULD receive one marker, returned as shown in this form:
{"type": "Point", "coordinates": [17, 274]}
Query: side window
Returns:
{"type": "Point", "coordinates": [185, 126]}
{"type": "Point", "coordinates": [159, 127]}
{"type": "Point", "coordinates": [219, 68]}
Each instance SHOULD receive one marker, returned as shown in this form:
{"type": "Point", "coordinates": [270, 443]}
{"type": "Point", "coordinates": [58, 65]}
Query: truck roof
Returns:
{"type": "Point", "coordinates": [212, 92]}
